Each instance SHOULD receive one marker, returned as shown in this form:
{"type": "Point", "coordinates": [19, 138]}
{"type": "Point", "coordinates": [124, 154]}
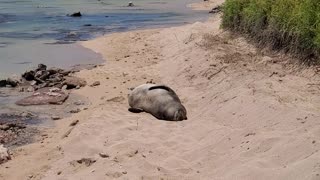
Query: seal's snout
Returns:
{"type": "Point", "coordinates": [180, 115]}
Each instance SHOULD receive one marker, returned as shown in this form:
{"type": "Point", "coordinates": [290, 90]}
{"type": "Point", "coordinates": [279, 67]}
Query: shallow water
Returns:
{"type": "Point", "coordinates": [34, 31]}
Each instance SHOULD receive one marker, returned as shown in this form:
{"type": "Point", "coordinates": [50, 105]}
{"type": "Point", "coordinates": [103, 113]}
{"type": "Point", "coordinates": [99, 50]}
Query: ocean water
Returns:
{"type": "Point", "coordinates": [39, 31]}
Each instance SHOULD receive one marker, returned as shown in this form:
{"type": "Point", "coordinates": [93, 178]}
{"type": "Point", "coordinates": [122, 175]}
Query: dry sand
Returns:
{"type": "Point", "coordinates": [251, 114]}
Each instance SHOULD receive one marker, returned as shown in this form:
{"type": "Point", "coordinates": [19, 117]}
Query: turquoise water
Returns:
{"type": "Point", "coordinates": [39, 31]}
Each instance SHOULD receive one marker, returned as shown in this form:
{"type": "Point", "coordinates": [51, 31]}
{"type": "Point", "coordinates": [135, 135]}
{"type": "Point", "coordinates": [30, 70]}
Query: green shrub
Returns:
{"type": "Point", "coordinates": [290, 25]}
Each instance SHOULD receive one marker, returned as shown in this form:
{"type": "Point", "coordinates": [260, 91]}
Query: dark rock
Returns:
{"type": "Point", "coordinates": [130, 4]}
{"type": "Point", "coordinates": [87, 25]}
{"type": "Point", "coordinates": [44, 96]}
{"type": "Point", "coordinates": [73, 82]}
{"type": "Point", "coordinates": [3, 83]}
{"type": "Point", "coordinates": [28, 75]}
{"type": "Point", "coordinates": [76, 14]}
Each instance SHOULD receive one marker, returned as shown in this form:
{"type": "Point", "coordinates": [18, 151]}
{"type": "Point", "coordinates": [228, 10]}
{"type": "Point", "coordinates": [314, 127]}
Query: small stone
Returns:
{"type": "Point", "coordinates": [87, 161]}
{"type": "Point", "coordinates": [59, 172]}
{"type": "Point", "coordinates": [33, 83]}
{"type": "Point", "coordinates": [96, 83]}
{"type": "Point", "coordinates": [130, 4]}
{"type": "Point", "coordinates": [30, 89]}
{"type": "Point", "coordinates": [55, 118]}
{"type": "Point", "coordinates": [75, 111]}
{"type": "Point", "coordinates": [64, 87]}
{"type": "Point", "coordinates": [124, 172]}
{"type": "Point", "coordinates": [78, 103]}
{"type": "Point", "coordinates": [250, 134]}
{"type": "Point", "coordinates": [104, 155]}
{"type": "Point", "coordinates": [73, 123]}
{"type": "Point", "coordinates": [76, 14]}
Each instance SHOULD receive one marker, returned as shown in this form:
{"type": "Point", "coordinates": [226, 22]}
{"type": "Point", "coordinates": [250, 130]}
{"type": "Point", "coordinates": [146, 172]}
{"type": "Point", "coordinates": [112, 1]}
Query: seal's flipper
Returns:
{"type": "Point", "coordinates": [161, 87]}
{"type": "Point", "coordinates": [135, 110]}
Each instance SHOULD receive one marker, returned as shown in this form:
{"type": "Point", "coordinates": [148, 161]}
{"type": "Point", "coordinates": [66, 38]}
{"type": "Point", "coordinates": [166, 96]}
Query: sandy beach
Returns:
{"type": "Point", "coordinates": [252, 114]}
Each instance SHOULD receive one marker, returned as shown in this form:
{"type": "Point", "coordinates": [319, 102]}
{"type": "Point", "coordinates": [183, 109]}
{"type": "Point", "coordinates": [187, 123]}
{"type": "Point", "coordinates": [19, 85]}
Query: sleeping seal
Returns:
{"type": "Point", "coordinates": [158, 100]}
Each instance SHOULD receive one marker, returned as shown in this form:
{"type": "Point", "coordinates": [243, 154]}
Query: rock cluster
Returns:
{"type": "Point", "coordinates": [48, 85]}
{"type": "Point", "coordinates": [54, 77]}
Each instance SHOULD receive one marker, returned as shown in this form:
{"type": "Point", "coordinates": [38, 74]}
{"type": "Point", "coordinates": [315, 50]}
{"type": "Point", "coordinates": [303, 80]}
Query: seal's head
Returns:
{"type": "Point", "coordinates": [180, 114]}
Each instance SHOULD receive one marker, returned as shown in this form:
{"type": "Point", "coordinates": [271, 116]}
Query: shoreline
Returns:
{"type": "Point", "coordinates": [60, 51]}
{"type": "Point", "coordinates": [244, 107]}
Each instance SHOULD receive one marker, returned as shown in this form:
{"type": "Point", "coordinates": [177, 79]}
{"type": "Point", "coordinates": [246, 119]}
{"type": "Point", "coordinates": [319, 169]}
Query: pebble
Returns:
{"type": "Point", "coordinates": [96, 83]}
{"type": "Point", "coordinates": [74, 122]}
{"type": "Point", "coordinates": [55, 117]}
{"type": "Point", "coordinates": [104, 155]}
{"type": "Point", "coordinates": [75, 111]}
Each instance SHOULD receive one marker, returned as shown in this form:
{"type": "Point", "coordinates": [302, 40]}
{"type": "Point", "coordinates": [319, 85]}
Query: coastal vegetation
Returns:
{"type": "Point", "coordinates": [289, 25]}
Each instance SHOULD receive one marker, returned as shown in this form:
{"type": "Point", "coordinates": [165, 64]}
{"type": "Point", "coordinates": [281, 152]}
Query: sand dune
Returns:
{"type": "Point", "coordinates": [251, 114]}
